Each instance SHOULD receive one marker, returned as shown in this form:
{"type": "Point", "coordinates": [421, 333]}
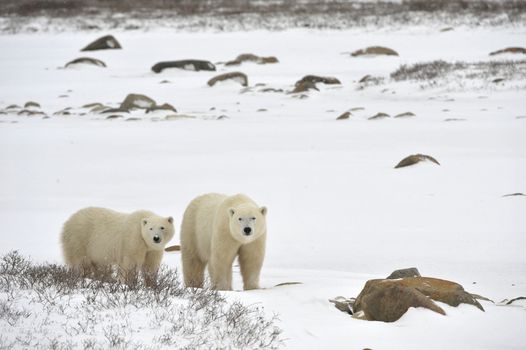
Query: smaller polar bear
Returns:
{"type": "Point", "coordinates": [95, 238]}
{"type": "Point", "coordinates": [217, 228]}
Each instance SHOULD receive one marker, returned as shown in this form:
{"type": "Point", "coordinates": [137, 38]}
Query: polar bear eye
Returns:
{"type": "Point", "coordinates": [252, 218]}
{"type": "Point", "coordinates": [151, 228]}
{"type": "Point", "coordinates": [162, 228]}
{"type": "Point", "coordinates": [240, 219]}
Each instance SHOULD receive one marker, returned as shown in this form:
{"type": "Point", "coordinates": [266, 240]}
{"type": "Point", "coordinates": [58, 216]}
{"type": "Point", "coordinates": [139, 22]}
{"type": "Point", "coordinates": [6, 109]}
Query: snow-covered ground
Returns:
{"type": "Point", "coordinates": [339, 213]}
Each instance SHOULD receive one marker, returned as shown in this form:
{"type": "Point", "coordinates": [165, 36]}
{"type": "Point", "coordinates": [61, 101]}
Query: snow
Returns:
{"type": "Point", "coordinates": [339, 213]}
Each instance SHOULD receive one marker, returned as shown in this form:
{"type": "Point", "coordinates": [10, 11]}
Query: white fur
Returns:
{"type": "Point", "coordinates": [93, 238]}
{"type": "Point", "coordinates": [212, 233]}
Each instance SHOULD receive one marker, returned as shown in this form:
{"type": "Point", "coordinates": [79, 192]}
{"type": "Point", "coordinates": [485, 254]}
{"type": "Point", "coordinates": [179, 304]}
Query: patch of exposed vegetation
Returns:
{"type": "Point", "coordinates": [50, 306]}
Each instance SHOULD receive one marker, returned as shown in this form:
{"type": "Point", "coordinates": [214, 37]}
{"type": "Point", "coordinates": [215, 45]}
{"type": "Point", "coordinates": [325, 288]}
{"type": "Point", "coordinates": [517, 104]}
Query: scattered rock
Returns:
{"type": "Point", "coordinates": [132, 119]}
{"type": "Point", "coordinates": [86, 60]}
{"type": "Point", "coordinates": [315, 79]}
{"type": "Point", "coordinates": [387, 300]}
{"type": "Point", "coordinates": [63, 96]}
{"type": "Point", "coordinates": [178, 117]}
{"type": "Point", "coordinates": [114, 110]}
{"type": "Point", "coordinates": [375, 51]}
{"type": "Point", "coordinates": [498, 80]}
{"type": "Point", "coordinates": [98, 109]}
{"type": "Point", "coordinates": [30, 113]}
{"type": "Point", "coordinates": [447, 29]}
{"type": "Point", "coordinates": [513, 50]}
{"type": "Point", "coordinates": [165, 82]}
{"type": "Point", "coordinates": [402, 273]}
{"type": "Point", "coordinates": [343, 116]}
{"type": "Point", "coordinates": [193, 65]}
{"type": "Point", "coordinates": [222, 117]}
{"type": "Point", "coordinates": [415, 158]}
{"type": "Point", "coordinates": [104, 43]}
{"type": "Point", "coordinates": [304, 87]}
{"type": "Point", "coordinates": [63, 112]}
{"type": "Point", "coordinates": [343, 304]}
{"type": "Point", "coordinates": [114, 116]}
{"type": "Point", "coordinates": [405, 115]}
{"type": "Point", "coordinates": [163, 107]}
{"type": "Point", "coordinates": [248, 57]}
{"type": "Point", "coordinates": [262, 110]}
{"type": "Point", "coordinates": [271, 90]}
{"type": "Point", "coordinates": [454, 119]}
{"type": "Point", "coordinates": [379, 115]}
{"type": "Point", "coordinates": [31, 104]}
{"type": "Point", "coordinates": [287, 284]}
{"type": "Point", "coordinates": [239, 77]}
{"type": "Point", "coordinates": [514, 194]}
{"type": "Point", "coordinates": [93, 105]}
{"type": "Point", "coordinates": [137, 101]}
{"type": "Point", "coordinates": [509, 302]}
{"type": "Point", "coordinates": [12, 107]}
{"type": "Point", "coordinates": [356, 109]}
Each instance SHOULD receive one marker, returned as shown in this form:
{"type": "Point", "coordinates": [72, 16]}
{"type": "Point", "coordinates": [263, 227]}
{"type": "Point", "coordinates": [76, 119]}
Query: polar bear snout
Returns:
{"type": "Point", "coordinates": [157, 239]}
{"type": "Point", "coordinates": [247, 231]}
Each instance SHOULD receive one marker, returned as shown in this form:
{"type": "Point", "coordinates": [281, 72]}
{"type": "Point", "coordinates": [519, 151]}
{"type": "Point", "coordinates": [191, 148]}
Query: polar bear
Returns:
{"type": "Point", "coordinates": [215, 229]}
{"type": "Point", "coordinates": [95, 238]}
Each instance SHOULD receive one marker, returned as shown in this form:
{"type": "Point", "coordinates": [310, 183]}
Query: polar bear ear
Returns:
{"type": "Point", "coordinates": [144, 222]}
{"type": "Point", "coordinates": [170, 220]}
{"type": "Point", "coordinates": [263, 211]}
{"type": "Point", "coordinates": [231, 212]}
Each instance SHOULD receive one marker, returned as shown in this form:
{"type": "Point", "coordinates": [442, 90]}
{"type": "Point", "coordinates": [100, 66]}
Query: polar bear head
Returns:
{"type": "Point", "coordinates": [247, 222]}
{"type": "Point", "coordinates": [157, 231]}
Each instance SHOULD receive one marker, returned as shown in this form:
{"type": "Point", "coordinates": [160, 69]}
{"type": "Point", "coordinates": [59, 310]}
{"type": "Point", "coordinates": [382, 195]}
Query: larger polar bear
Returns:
{"type": "Point", "coordinates": [95, 238]}
{"type": "Point", "coordinates": [215, 229]}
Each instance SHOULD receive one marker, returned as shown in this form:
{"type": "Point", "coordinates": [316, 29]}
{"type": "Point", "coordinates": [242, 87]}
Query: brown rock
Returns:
{"type": "Point", "coordinates": [514, 50]}
{"type": "Point", "coordinates": [343, 116]}
{"type": "Point", "coordinates": [405, 115]}
{"type": "Point", "coordinates": [304, 86]}
{"type": "Point", "coordinates": [31, 104]}
{"type": "Point", "coordinates": [104, 43]}
{"type": "Point", "coordinates": [137, 101]}
{"type": "Point", "coordinates": [379, 115]}
{"type": "Point", "coordinates": [401, 273]}
{"type": "Point", "coordinates": [388, 300]}
{"type": "Point", "coordinates": [375, 51]}
{"type": "Point", "coordinates": [415, 158]}
{"type": "Point", "coordinates": [164, 107]}
{"type": "Point", "coordinates": [193, 65]}
{"type": "Point", "coordinates": [235, 76]}
{"type": "Point", "coordinates": [248, 57]}
{"type": "Point", "coordinates": [314, 79]}
{"type": "Point", "coordinates": [86, 60]}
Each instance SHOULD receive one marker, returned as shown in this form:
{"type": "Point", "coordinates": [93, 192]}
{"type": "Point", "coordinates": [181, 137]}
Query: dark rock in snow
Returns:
{"type": "Point", "coordinates": [193, 65]}
{"type": "Point", "coordinates": [387, 300]}
{"type": "Point", "coordinates": [163, 107]}
{"type": "Point", "coordinates": [415, 158]}
{"type": "Point", "coordinates": [514, 50]}
{"type": "Point", "coordinates": [239, 77]}
{"type": "Point", "coordinates": [248, 57]}
{"type": "Point", "coordinates": [86, 60]}
{"type": "Point", "coordinates": [375, 51]}
{"type": "Point", "coordinates": [314, 79]}
{"type": "Point", "coordinates": [103, 43]}
{"type": "Point", "coordinates": [405, 115]}
{"type": "Point", "coordinates": [409, 272]}
{"type": "Point", "coordinates": [379, 115]}
{"type": "Point", "coordinates": [514, 194]}
{"type": "Point", "coordinates": [137, 101]}
{"type": "Point", "coordinates": [343, 116]}
{"type": "Point", "coordinates": [31, 104]}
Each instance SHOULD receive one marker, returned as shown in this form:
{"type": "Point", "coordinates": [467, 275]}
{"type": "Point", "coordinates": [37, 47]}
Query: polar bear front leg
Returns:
{"type": "Point", "coordinates": [220, 269]}
{"type": "Point", "coordinates": [151, 266]}
{"type": "Point", "coordinates": [250, 262]}
{"type": "Point", "coordinates": [128, 269]}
